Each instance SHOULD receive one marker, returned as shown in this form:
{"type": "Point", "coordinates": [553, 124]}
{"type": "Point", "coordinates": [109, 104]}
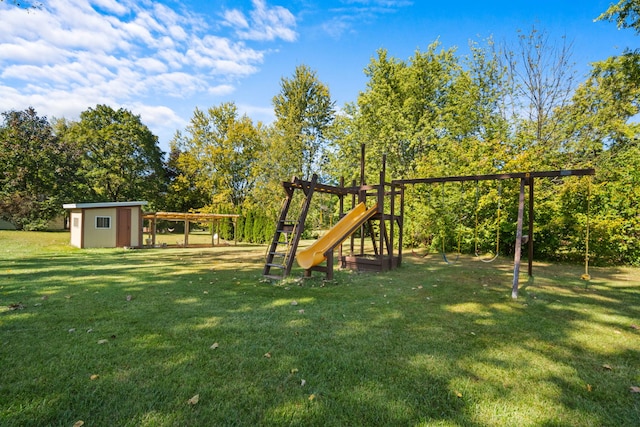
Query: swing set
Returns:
{"type": "Point", "coordinates": [476, 238]}
{"type": "Point", "coordinates": [527, 179]}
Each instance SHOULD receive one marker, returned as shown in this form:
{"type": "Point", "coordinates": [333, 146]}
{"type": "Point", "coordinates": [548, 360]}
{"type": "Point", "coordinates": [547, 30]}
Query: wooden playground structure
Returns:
{"type": "Point", "coordinates": [385, 217]}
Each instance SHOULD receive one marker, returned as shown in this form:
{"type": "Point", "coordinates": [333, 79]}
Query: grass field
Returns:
{"type": "Point", "coordinates": [195, 337]}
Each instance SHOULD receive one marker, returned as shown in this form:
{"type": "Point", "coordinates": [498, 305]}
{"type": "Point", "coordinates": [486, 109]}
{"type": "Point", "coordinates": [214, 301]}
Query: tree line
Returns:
{"type": "Point", "coordinates": [501, 108]}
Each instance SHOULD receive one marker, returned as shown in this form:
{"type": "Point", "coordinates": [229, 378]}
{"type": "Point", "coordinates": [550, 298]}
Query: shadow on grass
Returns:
{"type": "Point", "coordinates": [427, 343]}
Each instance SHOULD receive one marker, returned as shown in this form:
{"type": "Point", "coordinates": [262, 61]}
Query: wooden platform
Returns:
{"type": "Point", "coordinates": [369, 263]}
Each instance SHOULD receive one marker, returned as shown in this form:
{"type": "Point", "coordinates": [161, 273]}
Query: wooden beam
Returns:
{"type": "Point", "coordinates": [191, 216]}
{"type": "Point", "coordinates": [499, 176]}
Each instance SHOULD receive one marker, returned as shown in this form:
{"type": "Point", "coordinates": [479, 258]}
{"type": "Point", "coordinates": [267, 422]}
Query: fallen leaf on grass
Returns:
{"type": "Point", "coordinates": [303, 382]}
{"type": "Point", "coordinates": [129, 297]}
{"type": "Point", "coordinates": [635, 327]}
{"type": "Point", "coordinates": [214, 346]}
{"type": "Point", "coordinates": [94, 377]}
{"type": "Point", "coordinates": [294, 302]}
{"type": "Point", "coordinates": [103, 341]}
{"type": "Point", "coordinates": [18, 306]}
{"type": "Point", "coordinates": [607, 367]}
{"type": "Point", "coordinates": [78, 423]}
{"type": "Point", "coordinates": [194, 400]}
{"type": "Point", "coordinates": [312, 397]}
{"type": "Point", "coordinates": [267, 355]}
{"type": "Point", "coordinates": [634, 389]}
{"type": "Point", "coordinates": [458, 394]}
{"type": "Point", "coordinates": [589, 388]}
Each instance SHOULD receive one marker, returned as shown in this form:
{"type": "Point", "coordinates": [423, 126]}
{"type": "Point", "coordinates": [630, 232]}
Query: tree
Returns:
{"type": "Point", "coordinates": [122, 160]}
{"type": "Point", "coordinates": [38, 170]}
{"type": "Point", "coordinates": [626, 14]}
{"type": "Point", "coordinates": [219, 150]}
{"type": "Point", "coordinates": [542, 77]}
{"type": "Point", "coordinates": [303, 110]}
{"type": "Point", "coordinates": [432, 114]}
{"type": "Point", "coordinates": [183, 193]}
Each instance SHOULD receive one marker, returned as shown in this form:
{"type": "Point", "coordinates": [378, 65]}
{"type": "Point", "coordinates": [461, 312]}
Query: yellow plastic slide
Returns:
{"type": "Point", "coordinates": [314, 254]}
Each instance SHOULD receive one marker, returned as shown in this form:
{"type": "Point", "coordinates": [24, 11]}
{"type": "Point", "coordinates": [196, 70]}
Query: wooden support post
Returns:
{"type": "Point", "coordinates": [518, 248]}
{"type": "Point", "coordinates": [341, 208]}
{"type": "Point", "coordinates": [382, 228]}
{"type": "Point", "coordinates": [154, 230]}
{"type": "Point", "coordinates": [392, 220]}
{"type": "Point", "coordinates": [530, 241]}
{"type": "Point", "coordinates": [362, 194]}
{"type": "Point", "coordinates": [329, 256]}
{"type": "Point", "coordinates": [235, 231]}
{"type": "Point", "coordinates": [353, 237]}
{"type": "Point", "coordinates": [401, 227]}
{"type": "Point", "coordinates": [186, 233]}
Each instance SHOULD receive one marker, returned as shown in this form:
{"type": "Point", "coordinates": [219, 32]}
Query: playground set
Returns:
{"type": "Point", "coordinates": [379, 208]}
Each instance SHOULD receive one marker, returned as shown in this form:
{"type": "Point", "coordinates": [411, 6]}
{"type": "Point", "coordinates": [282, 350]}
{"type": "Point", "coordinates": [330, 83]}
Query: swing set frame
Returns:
{"type": "Point", "coordinates": [527, 179]}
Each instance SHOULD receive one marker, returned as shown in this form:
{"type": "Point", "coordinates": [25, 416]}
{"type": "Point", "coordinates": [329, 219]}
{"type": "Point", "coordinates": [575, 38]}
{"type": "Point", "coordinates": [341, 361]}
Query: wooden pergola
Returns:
{"type": "Point", "coordinates": [208, 218]}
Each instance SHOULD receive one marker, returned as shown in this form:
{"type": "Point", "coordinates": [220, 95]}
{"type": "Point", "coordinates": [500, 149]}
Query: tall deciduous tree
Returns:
{"type": "Point", "coordinates": [543, 79]}
{"type": "Point", "coordinates": [432, 114]}
{"type": "Point", "coordinates": [122, 159]}
{"type": "Point", "coordinates": [183, 194]}
{"type": "Point", "coordinates": [219, 149]}
{"type": "Point", "coordinates": [38, 170]}
{"type": "Point", "coordinates": [304, 110]}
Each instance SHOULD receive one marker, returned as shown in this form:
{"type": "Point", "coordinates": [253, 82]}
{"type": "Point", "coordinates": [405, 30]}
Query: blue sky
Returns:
{"type": "Point", "coordinates": [163, 59]}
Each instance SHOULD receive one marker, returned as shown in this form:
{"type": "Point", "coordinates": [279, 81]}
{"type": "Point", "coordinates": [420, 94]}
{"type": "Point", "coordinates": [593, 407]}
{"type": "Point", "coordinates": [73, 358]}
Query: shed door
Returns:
{"type": "Point", "coordinates": [123, 235]}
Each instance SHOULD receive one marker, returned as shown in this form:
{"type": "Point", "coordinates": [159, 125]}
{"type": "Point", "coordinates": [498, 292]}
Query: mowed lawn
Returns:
{"type": "Point", "coordinates": [196, 337]}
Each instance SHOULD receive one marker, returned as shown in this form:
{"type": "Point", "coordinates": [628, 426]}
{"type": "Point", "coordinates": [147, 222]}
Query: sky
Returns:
{"type": "Point", "coordinates": [163, 59]}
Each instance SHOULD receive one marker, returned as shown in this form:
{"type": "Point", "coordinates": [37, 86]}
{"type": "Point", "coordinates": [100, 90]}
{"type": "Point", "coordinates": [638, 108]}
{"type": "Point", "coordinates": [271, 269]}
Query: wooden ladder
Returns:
{"type": "Point", "coordinates": [283, 247]}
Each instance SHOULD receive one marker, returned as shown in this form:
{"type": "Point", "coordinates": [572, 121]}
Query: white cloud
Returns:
{"type": "Point", "coordinates": [221, 90]}
{"type": "Point", "coordinates": [69, 55]}
{"type": "Point", "coordinates": [264, 23]}
{"type": "Point", "coordinates": [345, 18]}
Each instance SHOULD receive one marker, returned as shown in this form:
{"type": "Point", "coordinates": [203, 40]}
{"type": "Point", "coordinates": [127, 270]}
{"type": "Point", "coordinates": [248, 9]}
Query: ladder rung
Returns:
{"type": "Point", "coordinates": [278, 253]}
{"type": "Point", "coordinates": [275, 265]}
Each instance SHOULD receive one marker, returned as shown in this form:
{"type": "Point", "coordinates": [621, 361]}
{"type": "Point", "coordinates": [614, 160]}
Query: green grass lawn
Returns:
{"type": "Point", "coordinates": [116, 337]}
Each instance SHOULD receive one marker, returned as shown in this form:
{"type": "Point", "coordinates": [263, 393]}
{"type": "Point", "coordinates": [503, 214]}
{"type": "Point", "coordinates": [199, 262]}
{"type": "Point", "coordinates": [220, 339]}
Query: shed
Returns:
{"type": "Point", "coordinates": [106, 224]}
